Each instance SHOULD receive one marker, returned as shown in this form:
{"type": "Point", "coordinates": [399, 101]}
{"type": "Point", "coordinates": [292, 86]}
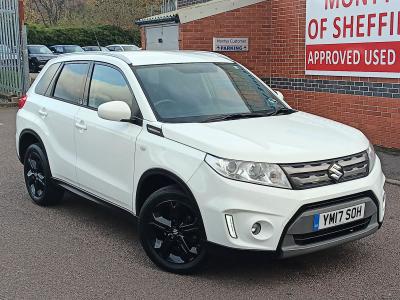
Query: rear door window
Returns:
{"type": "Point", "coordinates": [44, 82]}
{"type": "Point", "coordinates": [71, 82]}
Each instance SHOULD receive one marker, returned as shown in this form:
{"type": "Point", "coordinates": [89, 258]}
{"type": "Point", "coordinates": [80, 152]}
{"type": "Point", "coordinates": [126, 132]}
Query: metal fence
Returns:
{"type": "Point", "coordinates": [168, 5]}
{"type": "Point", "coordinates": [13, 55]}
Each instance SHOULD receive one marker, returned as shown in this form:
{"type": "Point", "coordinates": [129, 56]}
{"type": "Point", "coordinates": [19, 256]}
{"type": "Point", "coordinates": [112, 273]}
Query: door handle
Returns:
{"type": "Point", "coordinates": [42, 112]}
{"type": "Point", "coordinates": [81, 125]}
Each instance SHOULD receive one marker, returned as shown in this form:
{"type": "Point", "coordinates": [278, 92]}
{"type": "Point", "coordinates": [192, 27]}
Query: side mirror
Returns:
{"type": "Point", "coordinates": [114, 111]}
{"type": "Point", "coordinates": [280, 95]}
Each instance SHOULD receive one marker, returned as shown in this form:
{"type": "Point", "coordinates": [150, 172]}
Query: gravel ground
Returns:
{"type": "Point", "coordinates": [79, 249]}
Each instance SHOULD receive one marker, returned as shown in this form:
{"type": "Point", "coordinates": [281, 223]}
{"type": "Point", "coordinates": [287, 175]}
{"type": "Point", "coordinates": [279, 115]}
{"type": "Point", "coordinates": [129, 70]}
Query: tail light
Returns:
{"type": "Point", "coordinates": [22, 101]}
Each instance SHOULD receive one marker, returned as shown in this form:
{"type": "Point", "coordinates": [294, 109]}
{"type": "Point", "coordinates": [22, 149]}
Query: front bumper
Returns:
{"type": "Point", "coordinates": [279, 210]}
{"type": "Point", "coordinates": [298, 237]}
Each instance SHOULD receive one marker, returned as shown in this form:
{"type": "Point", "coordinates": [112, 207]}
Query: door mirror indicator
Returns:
{"type": "Point", "coordinates": [114, 111]}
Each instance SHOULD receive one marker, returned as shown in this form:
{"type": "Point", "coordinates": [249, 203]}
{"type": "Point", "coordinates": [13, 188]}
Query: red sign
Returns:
{"type": "Point", "coordinates": [353, 38]}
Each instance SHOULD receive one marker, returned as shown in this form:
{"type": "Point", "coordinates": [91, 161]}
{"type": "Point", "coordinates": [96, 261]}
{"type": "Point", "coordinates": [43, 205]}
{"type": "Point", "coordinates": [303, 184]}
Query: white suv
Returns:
{"type": "Point", "coordinates": [201, 150]}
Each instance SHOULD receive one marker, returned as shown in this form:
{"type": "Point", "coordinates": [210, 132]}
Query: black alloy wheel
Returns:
{"type": "Point", "coordinates": [38, 177]}
{"type": "Point", "coordinates": [172, 232]}
{"type": "Point", "coordinates": [35, 178]}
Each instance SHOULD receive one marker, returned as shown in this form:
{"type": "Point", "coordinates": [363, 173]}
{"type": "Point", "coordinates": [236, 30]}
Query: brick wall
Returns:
{"type": "Point", "coordinates": [377, 117]}
{"type": "Point", "coordinates": [142, 38]}
{"type": "Point", "coordinates": [370, 104]}
{"type": "Point", "coordinates": [248, 21]}
{"type": "Point", "coordinates": [276, 31]}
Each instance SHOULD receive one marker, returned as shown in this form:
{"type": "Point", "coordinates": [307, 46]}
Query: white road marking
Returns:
{"type": "Point", "coordinates": [1, 124]}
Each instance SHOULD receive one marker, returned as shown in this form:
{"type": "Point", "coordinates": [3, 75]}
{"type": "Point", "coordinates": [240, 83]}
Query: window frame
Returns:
{"type": "Point", "coordinates": [50, 85]}
{"type": "Point", "coordinates": [53, 85]}
{"type": "Point", "coordinates": [85, 102]}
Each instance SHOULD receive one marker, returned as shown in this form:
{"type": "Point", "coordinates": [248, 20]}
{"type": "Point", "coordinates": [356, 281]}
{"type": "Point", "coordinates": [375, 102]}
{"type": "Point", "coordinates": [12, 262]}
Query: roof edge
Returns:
{"type": "Point", "coordinates": [198, 11]}
{"type": "Point", "coordinates": [163, 18]}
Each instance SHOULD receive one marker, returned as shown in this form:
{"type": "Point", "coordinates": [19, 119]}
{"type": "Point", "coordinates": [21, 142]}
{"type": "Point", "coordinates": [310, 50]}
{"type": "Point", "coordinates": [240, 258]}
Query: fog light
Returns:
{"type": "Point", "coordinates": [256, 228]}
{"type": "Point", "coordinates": [231, 226]}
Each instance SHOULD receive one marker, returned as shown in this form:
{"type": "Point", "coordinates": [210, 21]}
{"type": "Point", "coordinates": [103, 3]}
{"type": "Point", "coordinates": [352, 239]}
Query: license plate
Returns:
{"type": "Point", "coordinates": [338, 217]}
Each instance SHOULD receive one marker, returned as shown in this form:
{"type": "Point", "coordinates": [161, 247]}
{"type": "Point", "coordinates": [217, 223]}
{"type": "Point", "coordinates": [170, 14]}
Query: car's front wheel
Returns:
{"type": "Point", "coordinates": [38, 177]}
{"type": "Point", "coordinates": [171, 231]}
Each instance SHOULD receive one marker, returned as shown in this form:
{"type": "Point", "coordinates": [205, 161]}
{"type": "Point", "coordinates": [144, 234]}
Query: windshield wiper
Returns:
{"type": "Point", "coordinates": [236, 116]}
{"type": "Point", "coordinates": [283, 111]}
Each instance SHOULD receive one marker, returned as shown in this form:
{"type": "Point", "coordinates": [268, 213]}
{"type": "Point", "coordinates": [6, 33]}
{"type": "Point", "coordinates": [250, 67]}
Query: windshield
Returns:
{"type": "Point", "coordinates": [71, 49]}
{"type": "Point", "coordinates": [130, 48]}
{"type": "Point", "coordinates": [195, 92]}
{"type": "Point", "coordinates": [39, 50]}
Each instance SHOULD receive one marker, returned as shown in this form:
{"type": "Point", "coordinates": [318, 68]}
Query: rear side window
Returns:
{"type": "Point", "coordinates": [108, 84]}
{"type": "Point", "coordinates": [44, 83]}
{"type": "Point", "coordinates": [71, 82]}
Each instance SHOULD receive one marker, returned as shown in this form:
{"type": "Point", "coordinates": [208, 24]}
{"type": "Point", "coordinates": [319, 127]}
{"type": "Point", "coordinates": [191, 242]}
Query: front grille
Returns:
{"type": "Point", "coordinates": [331, 233]}
{"type": "Point", "coordinates": [315, 174]}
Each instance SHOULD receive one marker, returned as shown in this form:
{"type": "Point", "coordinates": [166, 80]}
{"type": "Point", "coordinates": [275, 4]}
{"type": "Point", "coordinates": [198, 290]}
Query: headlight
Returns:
{"type": "Point", "coordinates": [253, 172]}
{"type": "Point", "coordinates": [371, 156]}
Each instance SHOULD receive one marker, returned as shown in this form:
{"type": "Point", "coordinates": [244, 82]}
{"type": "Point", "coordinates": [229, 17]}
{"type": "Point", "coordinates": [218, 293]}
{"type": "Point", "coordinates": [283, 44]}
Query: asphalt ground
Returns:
{"type": "Point", "coordinates": [390, 162]}
{"type": "Point", "coordinates": [82, 250]}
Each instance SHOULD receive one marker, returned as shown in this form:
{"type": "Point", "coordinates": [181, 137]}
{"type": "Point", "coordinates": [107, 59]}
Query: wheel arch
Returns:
{"type": "Point", "coordinates": [27, 138]}
{"type": "Point", "coordinates": [154, 179]}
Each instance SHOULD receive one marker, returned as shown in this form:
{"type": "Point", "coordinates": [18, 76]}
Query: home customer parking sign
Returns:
{"type": "Point", "coordinates": [353, 38]}
{"type": "Point", "coordinates": [230, 44]}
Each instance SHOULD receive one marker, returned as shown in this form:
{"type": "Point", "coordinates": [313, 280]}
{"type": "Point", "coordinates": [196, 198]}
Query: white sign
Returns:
{"type": "Point", "coordinates": [230, 44]}
{"type": "Point", "coordinates": [353, 38]}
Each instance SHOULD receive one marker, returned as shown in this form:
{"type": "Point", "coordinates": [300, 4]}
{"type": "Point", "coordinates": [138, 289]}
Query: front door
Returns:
{"type": "Point", "coordinates": [106, 149]}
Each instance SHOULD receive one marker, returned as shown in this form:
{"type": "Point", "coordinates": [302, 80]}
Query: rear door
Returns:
{"type": "Point", "coordinates": [57, 109]}
{"type": "Point", "coordinates": [106, 149]}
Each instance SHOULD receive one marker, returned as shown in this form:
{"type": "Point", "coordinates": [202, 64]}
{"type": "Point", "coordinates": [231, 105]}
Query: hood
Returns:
{"type": "Point", "coordinates": [298, 137]}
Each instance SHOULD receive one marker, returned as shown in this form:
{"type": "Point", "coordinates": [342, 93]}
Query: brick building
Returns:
{"type": "Point", "coordinates": [276, 32]}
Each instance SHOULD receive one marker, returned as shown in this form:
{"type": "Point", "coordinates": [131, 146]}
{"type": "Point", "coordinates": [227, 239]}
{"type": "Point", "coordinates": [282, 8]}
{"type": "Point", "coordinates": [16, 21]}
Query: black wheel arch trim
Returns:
{"type": "Point", "coordinates": [37, 136]}
{"type": "Point", "coordinates": [170, 175]}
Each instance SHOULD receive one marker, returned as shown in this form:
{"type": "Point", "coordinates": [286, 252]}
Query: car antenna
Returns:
{"type": "Point", "coordinates": [95, 36]}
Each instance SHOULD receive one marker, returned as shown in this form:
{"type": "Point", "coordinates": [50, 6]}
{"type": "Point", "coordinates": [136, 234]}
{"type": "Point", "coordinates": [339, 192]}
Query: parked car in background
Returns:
{"type": "Point", "coordinates": [95, 48]}
{"type": "Point", "coordinates": [121, 47]}
{"type": "Point", "coordinates": [62, 49]}
{"type": "Point", "coordinates": [38, 56]}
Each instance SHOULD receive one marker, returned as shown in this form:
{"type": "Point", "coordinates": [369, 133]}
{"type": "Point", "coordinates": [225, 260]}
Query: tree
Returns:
{"type": "Point", "coordinates": [50, 11]}
{"type": "Point", "coordinates": [121, 13]}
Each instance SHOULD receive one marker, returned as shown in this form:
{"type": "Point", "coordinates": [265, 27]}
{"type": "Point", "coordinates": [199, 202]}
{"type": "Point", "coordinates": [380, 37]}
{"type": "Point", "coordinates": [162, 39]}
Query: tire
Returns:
{"type": "Point", "coordinates": [38, 177]}
{"type": "Point", "coordinates": [171, 231]}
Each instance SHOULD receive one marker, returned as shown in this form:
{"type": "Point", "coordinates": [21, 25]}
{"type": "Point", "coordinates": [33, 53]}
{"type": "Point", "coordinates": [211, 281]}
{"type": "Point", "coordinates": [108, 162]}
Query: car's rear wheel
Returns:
{"type": "Point", "coordinates": [172, 232]}
{"type": "Point", "coordinates": [38, 177]}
